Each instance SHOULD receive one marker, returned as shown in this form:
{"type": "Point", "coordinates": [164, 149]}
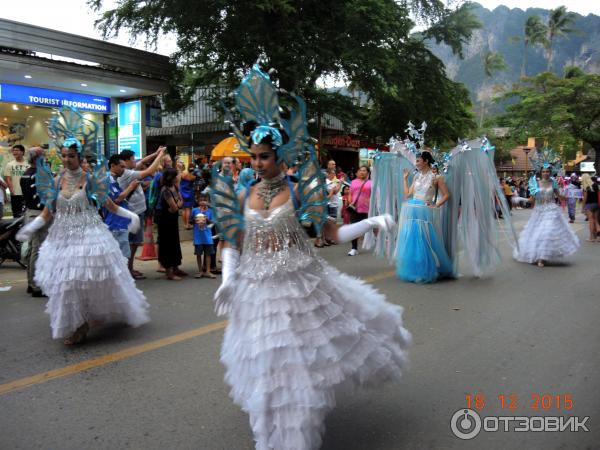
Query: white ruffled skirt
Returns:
{"type": "Point", "coordinates": [546, 236]}
{"type": "Point", "coordinates": [85, 276]}
{"type": "Point", "coordinates": [298, 335]}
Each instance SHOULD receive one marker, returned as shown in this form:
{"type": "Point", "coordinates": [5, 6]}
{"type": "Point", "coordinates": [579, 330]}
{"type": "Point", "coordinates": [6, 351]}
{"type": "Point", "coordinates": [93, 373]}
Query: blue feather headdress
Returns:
{"type": "Point", "coordinates": [546, 158]}
{"type": "Point", "coordinates": [69, 127]}
{"type": "Point", "coordinates": [257, 101]}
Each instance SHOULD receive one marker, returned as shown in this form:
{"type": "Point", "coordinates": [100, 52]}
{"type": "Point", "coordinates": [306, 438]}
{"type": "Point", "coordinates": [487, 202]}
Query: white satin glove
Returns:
{"type": "Point", "coordinates": [134, 224]}
{"type": "Point", "coordinates": [230, 259]}
{"type": "Point", "coordinates": [347, 233]}
{"type": "Point", "coordinates": [25, 234]}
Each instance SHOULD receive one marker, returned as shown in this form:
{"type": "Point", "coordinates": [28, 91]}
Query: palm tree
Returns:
{"type": "Point", "coordinates": [559, 23]}
{"type": "Point", "coordinates": [535, 33]}
{"type": "Point", "coordinates": [492, 63]}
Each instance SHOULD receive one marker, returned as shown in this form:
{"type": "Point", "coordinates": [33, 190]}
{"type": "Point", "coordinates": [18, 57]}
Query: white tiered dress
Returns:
{"type": "Point", "coordinates": [83, 272]}
{"type": "Point", "coordinates": [298, 331]}
{"type": "Point", "coordinates": [547, 235]}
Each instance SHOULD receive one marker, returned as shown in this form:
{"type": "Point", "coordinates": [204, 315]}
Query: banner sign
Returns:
{"type": "Point", "coordinates": [55, 99]}
{"type": "Point", "coordinates": [130, 127]}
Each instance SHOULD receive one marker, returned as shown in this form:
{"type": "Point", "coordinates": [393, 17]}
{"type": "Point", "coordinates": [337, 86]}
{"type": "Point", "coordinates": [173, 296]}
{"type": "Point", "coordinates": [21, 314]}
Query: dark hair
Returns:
{"type": "Point", "coordinates": [203, 196]}
{"type": "Point", "coordinates": [366, 167]}
{"type": "Point", "coordinates": [114, 160]}
{"type": "Point", "coordinates": [126, 155]}
{"type": "Point", "coordinates": [251, 125]}
{"type": "Point", "coordinates": [426, 156]}
{"type": "Point", "coordinates": [19, 147]}
{"type": "Point", "coordinates": [169, 176]}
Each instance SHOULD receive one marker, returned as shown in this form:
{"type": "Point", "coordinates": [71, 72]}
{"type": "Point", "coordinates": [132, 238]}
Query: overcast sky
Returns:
{"type": "Point", "coordinates": [74, 16]}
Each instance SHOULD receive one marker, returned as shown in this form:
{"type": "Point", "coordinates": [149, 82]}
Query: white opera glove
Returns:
{"type": "Point", "coordinates": [134, 225]}
{"type": "Point", "coordinates": [230, 259]}
{"type": "Point", "coordinates": [28, 230]}
{"type": "Point", "coordinates": [346, 233]}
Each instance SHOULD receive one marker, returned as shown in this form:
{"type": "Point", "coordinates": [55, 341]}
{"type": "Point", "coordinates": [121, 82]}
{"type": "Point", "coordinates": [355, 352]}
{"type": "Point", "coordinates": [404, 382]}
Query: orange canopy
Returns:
{"type": "Point", "coordinates": [229, 147]}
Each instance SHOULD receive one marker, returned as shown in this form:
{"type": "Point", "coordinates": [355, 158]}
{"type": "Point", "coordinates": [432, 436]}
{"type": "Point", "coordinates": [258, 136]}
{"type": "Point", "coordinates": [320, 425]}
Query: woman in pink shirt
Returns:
{"type": "Point", "coordinates": [360, 191]}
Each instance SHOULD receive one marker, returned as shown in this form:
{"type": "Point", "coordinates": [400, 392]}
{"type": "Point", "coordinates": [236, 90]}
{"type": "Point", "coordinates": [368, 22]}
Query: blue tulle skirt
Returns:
{"type": "Point", "coordinates": [420, 254]}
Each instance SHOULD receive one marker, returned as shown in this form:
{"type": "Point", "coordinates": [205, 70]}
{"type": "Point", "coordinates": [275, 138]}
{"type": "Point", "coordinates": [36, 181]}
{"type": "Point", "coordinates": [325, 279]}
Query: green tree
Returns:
{"type": "Point", "coordinates": [414, 87]}
{"type": "Point", "coordinates": [561, 110]}
{"type": "Point", "coordinates": [492, 63]}
{"type": "Point", "coordinates": [534, 34]}
{"type": "Point", "coordinates": [305, 40]}
{"type": "Point", "coordinates": [559, 24]}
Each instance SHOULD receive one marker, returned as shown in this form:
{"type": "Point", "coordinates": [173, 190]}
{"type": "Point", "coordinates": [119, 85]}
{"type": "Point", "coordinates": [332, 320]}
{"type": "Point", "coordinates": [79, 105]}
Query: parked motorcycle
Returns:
{"type": "Point", "coordinates": [10, 248]}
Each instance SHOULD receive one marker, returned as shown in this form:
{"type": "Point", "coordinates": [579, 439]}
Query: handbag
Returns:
{"type": "Point", "coordinates": [352, 206]}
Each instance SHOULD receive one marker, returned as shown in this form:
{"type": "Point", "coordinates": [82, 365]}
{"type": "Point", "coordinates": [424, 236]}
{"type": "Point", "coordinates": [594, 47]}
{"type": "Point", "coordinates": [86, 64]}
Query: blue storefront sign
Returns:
{"type": "Point", "coordinates": [130, 127]}
{"type": "Point", "coordinates": [48, 97]}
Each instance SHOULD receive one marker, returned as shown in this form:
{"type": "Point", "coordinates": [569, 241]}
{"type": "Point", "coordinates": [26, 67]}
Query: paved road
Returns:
{"type": "Point", "coordinates": [525, 331]}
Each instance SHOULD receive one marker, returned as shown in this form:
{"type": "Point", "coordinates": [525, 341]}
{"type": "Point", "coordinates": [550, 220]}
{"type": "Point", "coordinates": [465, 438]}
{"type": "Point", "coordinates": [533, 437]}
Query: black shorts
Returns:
{"type": "Point", "coordinates": [204, 249]}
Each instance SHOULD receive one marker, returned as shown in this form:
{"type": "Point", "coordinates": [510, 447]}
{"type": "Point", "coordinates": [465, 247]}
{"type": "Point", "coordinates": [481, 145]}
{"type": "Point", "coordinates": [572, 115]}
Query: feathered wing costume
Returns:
{"type": "Point", "coordinates": [547, 236]}
{"type": "Point", "coordinates": [80, 266]}
{"type": "Point", "coordinates": [298, 329]}
{"type": "Point", "coordinates": [467, 220]}
{"type": "Point", "coordinates": [470, 217]}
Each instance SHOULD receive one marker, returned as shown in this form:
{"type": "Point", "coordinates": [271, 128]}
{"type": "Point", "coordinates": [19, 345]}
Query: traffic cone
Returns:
{"type": "Point", "coordinates": [148, 250]}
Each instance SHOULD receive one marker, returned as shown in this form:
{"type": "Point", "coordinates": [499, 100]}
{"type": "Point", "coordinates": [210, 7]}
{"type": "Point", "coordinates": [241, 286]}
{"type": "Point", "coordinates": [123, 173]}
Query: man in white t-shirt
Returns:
{"type": "Point", "coordinates": [137, 199]}
{"type": "Point", "coordinates": [13, 171]}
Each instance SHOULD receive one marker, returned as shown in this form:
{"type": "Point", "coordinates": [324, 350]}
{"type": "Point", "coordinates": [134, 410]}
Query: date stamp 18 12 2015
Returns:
{"type": "Point", "coordinates": [515, 402]}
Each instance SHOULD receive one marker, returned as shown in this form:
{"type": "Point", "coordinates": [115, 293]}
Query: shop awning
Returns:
{"type": "Point", "coordinates": [229, 147]}
{"type": "Point", "coordinates": [184, 130]}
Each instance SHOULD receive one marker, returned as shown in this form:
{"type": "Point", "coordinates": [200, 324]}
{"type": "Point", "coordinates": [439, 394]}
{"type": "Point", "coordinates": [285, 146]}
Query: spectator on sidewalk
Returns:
{"type": "Point", "coordinates": [346, 200]}
{"type": "Point", "coordinates": [13, 171]}
{"type": "Point", "coordinates": [203, 220]}
{"type": "Point", "coordinates": [169, 245]}
{"type": "Point", "coordinates": [360, 191]}
{"type": "Point", "coordinates": [508, 192]}
{"type": "Point", "coordinates": [137, 199]}
{"type": "Point", "coordinates": [33, 208]}
{"type": "Point", "coordinates": [154, 204]}
{"type": "Point", "coordinates": [186, 187]}
{"type": "Point", "coordinates": [118, 224]}
{"type": "Point", "coordinates": [333, 189]}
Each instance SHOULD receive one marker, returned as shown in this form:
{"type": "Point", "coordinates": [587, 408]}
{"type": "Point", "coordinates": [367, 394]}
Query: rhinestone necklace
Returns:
{"type": "Point", "coordinates": [72, 178]}
{"type": "Point", "coordinates": [268, 189]}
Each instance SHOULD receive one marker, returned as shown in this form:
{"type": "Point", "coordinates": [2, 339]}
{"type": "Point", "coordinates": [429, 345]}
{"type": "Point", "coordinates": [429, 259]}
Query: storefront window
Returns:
{"type": "Point", "coordinates": [27, 125]}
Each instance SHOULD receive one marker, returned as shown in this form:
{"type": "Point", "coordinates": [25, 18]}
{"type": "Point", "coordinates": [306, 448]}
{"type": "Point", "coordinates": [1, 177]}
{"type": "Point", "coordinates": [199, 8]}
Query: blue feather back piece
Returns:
{"type": "Point", "coordinates": [227, 208]}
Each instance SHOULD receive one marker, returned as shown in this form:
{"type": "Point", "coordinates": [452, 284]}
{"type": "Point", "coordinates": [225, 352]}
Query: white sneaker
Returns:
{"type": "Point", "coordinates": [353, 252]}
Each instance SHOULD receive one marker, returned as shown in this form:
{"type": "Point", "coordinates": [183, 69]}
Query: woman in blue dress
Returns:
{"type": "Point", "coordinates": [420, 254]}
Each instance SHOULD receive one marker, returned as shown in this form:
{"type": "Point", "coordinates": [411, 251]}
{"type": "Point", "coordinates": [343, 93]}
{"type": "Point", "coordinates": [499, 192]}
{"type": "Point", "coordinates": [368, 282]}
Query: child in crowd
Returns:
{"type": "Point", "coordinates": [202, 218]}
{"type": "Point", "coordinates": [346, 200]}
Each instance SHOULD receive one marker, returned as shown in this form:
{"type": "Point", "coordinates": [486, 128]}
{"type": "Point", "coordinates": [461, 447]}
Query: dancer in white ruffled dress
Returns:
{"type": "Point", "coordinates": [80, 266]}
{"type": "Point", "coordinates": [547, 236]}
{"type": "Point", "coordinates": [299, 330]}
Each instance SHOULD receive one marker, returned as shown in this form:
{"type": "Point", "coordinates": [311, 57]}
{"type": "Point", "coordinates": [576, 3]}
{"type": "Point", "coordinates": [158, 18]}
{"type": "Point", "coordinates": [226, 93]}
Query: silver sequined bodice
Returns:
{"type": "Point", "coordinates": [423, 186]}
{"type": "Point", "coordinates": [274, 241]}
{"type": "Point", "coordinates": [545, 193]}
{"type": "Point", "coordinates": [74, 214]}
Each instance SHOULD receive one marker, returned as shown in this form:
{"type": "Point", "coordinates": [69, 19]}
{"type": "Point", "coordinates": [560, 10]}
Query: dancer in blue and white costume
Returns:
{"type": "Point", "coordinates": [298, 330]}
{"type": "Point", "coordinates": [80, 266]}
{"type": "Point", "coordinates": [445, 213]}
{"type": "Point", "coordinates": [547, 236]}
{"type": "Point", "coordinates": [421, 256]}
